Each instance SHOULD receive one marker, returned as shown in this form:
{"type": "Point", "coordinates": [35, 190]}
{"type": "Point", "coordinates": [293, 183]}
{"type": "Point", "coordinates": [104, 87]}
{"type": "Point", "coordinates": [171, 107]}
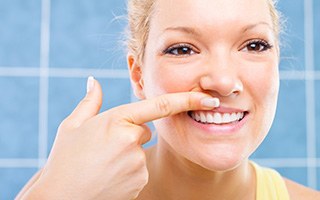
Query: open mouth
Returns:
{"type": "Point", "coordinates": [212, 117]}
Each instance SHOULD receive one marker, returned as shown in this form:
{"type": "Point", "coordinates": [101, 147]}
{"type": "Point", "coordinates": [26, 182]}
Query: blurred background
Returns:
{"type": "Point", "coordinates": [49, 47]}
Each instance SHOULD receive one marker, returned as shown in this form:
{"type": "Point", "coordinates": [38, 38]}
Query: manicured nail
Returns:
{"type": "Point", "coordinates": [210, 102]}
{"type": "Point", "coordinates": [90, 84]}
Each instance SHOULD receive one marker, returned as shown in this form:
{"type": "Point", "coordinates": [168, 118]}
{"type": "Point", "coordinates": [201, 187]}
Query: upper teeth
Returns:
{"type": "Point", "coordinates": [215, 117]}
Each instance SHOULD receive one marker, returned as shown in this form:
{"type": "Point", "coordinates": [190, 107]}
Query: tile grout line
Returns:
{"type": "Point", "coordinates": [268, 162]}
{"type": "Point", "coordinates": [309, 77]}
{"type": "Point", "coordinates": [282, 162]}
{"type": "Point", "coordinates": [44, 82]}
{"type": "Point", "coordinates": [19, 163]}
{"type": "Point", "coordinates": [310, 94]}
{"type": "Point", "coordinates": [64, 73]}
{"type": "Point", "coordinates": [121, 73]}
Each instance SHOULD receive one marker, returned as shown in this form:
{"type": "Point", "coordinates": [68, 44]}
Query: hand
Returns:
{"type": "Point", "coordinates": [99, 156]}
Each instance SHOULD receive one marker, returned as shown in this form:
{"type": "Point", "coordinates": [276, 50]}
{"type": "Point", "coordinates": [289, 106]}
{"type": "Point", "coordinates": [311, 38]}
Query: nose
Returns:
{"type": "Point", "coordinates": [221, 77]}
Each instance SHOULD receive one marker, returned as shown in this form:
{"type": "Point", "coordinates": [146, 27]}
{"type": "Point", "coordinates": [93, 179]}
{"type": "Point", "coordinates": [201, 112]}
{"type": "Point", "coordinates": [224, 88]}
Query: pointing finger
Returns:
{"type": "Point", "coordinates": [166, 105]}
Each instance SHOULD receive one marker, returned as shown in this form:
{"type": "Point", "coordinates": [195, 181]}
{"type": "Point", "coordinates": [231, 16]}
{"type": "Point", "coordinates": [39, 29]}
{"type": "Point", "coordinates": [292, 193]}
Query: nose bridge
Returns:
{"type": "Point", "coordinates": [221, 75]}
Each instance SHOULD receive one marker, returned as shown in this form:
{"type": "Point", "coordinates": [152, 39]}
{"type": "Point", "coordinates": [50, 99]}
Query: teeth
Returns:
{"type": "Point", "coordinates": [216, 118]}
{"type": "Point", "coordinates": [197, 117]}
{"type": "Point", "coordinates": [210, 118]}
{"type": "Point", "coordinates": [203, 117]}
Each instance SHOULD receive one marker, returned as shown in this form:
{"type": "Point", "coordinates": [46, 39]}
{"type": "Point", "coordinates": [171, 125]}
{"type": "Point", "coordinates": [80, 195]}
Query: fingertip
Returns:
{"type": "Point", "coordinates": [210, 102]}
{"type": "Point", "coordinates": [94, 89]}
{"type": "Point", "coordinates": [90, 84]}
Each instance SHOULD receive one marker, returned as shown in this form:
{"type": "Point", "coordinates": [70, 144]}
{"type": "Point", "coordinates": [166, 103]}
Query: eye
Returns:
{"type": "Point", "coordinates": [180, 50]}
{"type": "Point", "coordinates": [256, 46]}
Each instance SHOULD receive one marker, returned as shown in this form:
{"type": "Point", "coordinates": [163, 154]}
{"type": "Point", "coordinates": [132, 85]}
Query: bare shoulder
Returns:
{"type": "Point", "coordinates": [297, 191]}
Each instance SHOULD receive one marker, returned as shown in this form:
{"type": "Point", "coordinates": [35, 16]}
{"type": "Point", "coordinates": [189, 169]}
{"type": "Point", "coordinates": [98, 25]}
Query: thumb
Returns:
{"type": "Point", "coordinates": [90, 105]}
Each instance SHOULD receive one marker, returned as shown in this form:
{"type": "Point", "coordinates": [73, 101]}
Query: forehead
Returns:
{"type": "Point", "coordinates": [209, 13]}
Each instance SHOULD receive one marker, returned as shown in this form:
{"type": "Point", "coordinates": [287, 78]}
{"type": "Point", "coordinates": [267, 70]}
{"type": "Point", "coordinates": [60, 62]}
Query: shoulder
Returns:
{"type": "Point", "coordinates": [297, 191]}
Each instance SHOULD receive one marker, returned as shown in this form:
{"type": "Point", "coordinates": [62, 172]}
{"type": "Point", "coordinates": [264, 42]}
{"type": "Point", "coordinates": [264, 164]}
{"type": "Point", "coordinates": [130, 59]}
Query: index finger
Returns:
{"type": "Point", "coordinates": [166, 105]}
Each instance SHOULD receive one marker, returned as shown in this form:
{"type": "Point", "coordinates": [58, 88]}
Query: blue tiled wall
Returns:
{"type": "Point", "coordinates": [84, 39]}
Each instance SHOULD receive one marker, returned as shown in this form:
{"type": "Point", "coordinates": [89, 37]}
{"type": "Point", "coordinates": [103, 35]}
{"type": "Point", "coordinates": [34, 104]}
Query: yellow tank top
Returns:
{"type": "Point", "coordinates": [270, 184]}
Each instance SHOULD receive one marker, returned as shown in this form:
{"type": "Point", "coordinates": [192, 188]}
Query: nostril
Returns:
{"type": "Point", "coordinates": [224, 84]}
{"type": "Point", "coordinates": [236, 90]}
{"type": "Point", "coordinates": [238, 87]}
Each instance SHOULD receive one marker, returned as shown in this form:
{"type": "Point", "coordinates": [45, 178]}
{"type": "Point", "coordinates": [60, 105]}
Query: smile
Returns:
{"type": "Point", "coordinates": [210, 117]}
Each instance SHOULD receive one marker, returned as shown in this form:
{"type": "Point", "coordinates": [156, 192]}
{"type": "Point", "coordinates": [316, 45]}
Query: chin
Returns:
{"type": "Point", "coordinates": [221, 165]}
{"type": "Point", "coordinates": [221, 159]}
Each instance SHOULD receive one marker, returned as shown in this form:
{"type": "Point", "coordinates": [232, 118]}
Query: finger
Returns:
{"type": "Point", "coordinates": [146, 136]}
{"type": "Point", "coordinates": [137, 135]}
{"type": "Point", "coordinates": [166, 105]}
{"type": "Point", "coordinates": [89, 105]}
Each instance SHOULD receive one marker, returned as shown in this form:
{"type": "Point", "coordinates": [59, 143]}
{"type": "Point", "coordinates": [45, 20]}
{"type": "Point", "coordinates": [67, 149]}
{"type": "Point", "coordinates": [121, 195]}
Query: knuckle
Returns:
{"type": "Point", "coordinates": [189, 100]}
{"type": "Point", "coordinates": [141, 159]}
{"type": "Point", "coordinates": [163, 106]}
{"type": "Point", "coordinates": [128, 140]}
{"type": "Point", "coordinates": [140, 184]}
{"type": "Point", "coordinates": [144, 177]}
{"type": "Point", "coordinates": [132, 138]}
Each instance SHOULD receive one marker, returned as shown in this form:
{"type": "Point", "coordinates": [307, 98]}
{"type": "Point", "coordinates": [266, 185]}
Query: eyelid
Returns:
{"type": "Point", "coordinates": [179, 45]}
{"type": "Point", "coordinates": [256, 40]}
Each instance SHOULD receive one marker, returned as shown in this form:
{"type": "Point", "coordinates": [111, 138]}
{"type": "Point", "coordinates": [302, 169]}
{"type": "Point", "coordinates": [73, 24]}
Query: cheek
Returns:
{"type": "Point", "coordinates": [162, 78]}
{"type": "Point", "coordinates": [262, 82]}
{"type": "Point", "coordinates": [262, 85]}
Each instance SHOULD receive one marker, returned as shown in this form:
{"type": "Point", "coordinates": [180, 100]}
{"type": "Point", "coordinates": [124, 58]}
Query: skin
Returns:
{"type": "Point", "coordinates": [220, 64]}
{"type": "Point", "coordinates": [221, 67]}
{"type": "Point", "coordinates": [99, 155]}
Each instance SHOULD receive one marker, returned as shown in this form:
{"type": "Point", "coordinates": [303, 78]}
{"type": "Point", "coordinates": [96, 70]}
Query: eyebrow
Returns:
{"type": "Point", "coordinates": [252, 26]}
{"type": "Point", "coordinates": [188, 30]}
{"type": "Point", "coordinates": [194, 32]}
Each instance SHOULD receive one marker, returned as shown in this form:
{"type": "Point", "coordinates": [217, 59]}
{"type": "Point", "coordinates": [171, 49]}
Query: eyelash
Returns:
{"type": "Point", "coordinates": [178, 47]}
{"type": "Point", "coordinates": [258, 42]}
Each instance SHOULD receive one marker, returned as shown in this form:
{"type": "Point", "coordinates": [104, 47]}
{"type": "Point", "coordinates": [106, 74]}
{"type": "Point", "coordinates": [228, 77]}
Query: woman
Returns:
{"type": "Point", "coordinates": [207, 73]}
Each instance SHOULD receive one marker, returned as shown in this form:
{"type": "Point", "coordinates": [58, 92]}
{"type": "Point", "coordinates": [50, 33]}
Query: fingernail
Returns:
{"type": "Point", "coordinates": [210, 102]}
{"type": "Point", "coordinates": [90, 84]}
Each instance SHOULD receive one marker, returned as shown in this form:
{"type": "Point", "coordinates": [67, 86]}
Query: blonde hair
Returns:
{"type": "Point", "coordinates": [139, 15]}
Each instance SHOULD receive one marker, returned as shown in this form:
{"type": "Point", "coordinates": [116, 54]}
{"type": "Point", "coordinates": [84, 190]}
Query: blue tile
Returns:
{"type": "Point", "coordinates": [65, 94]}
{"type": "Point", "coordinates": [287, 137]}
{"type": "Point", "coordinates": [298, 175]}
{"type": "Point", "coordinates": [12, 181]}
{"type": "Point", "coordinates": [19, 117]}
{"type": "Point", "coordinates": [20, 32]}
{"type": "Point", "coordinates": [316, 34]}
{"type": "Point", "coordinates": [292, 50]}
{"type": "Point", "coordinates": [85, 34]}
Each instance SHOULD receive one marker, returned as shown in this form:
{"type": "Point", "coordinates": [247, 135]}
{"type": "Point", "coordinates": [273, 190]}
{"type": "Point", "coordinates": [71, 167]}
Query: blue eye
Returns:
{"type": "Point", "coordinates": [180, 50]}
{"type": "Point", "coordinates": [257, 46]}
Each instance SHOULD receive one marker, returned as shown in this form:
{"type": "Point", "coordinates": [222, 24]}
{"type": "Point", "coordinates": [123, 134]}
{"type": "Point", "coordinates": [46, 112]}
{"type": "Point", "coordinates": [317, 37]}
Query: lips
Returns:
{"type": "Point", "coordinates": [210, 117]}
{"type": "Point", "coordinates": [221, 121]}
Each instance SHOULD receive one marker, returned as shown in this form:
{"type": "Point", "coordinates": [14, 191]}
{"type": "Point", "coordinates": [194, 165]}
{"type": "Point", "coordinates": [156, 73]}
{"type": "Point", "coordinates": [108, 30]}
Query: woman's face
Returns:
{"type": "Point", "coordinates": [225, 48]}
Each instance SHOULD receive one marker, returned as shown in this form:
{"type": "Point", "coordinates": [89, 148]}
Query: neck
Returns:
{"type": "Point", "coordinates": [173, 177]}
